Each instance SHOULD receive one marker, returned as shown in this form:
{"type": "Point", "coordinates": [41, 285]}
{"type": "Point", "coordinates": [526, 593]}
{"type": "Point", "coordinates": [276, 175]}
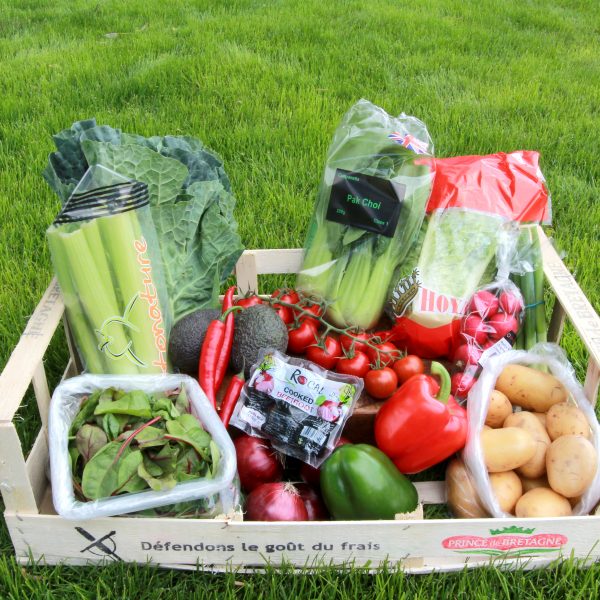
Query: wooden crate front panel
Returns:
{"type": "Point", "coordinates": [228, 543]}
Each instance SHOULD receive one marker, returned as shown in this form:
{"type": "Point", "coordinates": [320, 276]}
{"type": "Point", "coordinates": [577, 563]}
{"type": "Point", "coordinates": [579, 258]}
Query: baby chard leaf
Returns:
{"type": "Point", "coordinates": [135, 484]}
{"type": "Point", "coordinates": [150, 437]}
{"type": "Point", "coordinates": [134, 403]}
{"type": "Point", "coordinates": [187, 429]}
{"type": "Point", "coordinates": [165, 408]}
{"type": "Point", "coordinates": [158, 484]}
{"type": "Point", "coordinates": [182, 403]}
{"type": "Point", "coordinates": [215, 454]}
{"type": "Point", "coordinates": [89, 440]}
{"type": "Point", "coordinates": [109, 470]}
{"type": "Point", "coordinates": [113, 425]}
{"type": "Point", "coordinates": [86, 411]}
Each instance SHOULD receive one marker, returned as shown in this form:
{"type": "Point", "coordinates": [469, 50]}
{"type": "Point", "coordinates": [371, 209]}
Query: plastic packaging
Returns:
{"type": "Point", "coordinates": [65, 404]}
{"type": "Point", "coordinates": [300, 407]}
{"type": "Point", "coordinates": [367, 216]}
{"type": "Point", "coordinates": [489, 326]}
{"type": "Point", "coordinates": [105, 254]}
{"type": "Point", "coordinates": [554, 358]}
{"type": "Point", "coordinates": [472, 211]}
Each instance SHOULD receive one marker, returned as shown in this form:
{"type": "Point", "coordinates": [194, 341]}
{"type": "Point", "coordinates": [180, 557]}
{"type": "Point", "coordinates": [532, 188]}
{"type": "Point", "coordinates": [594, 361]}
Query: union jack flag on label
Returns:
{"type": "Point", "coordinates": [409, 141]}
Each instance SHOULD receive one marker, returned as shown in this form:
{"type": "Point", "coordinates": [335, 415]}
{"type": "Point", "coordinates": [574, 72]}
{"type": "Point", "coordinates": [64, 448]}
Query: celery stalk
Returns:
{"type": "Point", "coordinates": [119, 233]}
{"type": "Point", "coordinates": [98, 301]}
{"type": "Point", "coordinates": [82, 332]}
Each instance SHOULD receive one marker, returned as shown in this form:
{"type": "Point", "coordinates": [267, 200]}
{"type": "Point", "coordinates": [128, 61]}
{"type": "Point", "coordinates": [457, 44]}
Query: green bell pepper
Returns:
{"type": "Point", "coordinates": [359, 482]}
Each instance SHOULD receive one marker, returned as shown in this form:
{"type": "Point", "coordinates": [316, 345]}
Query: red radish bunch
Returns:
{"type": "Point", "coordinates": [490, 316]}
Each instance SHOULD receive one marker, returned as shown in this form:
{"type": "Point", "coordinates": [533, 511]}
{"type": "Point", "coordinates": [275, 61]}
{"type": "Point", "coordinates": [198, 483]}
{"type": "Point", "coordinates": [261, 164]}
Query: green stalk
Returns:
{"type": "Point", "coordinates": [97, 299]}
{"type": "Point", "coordinates": [317, 265]}
{"type": "Point", "coordinates": [520, 342]}
{"type": "Point", "coordinates": [82, 331]}
{"type": "Point", "coordinates": [538, 276]}
{"type": "Point", "coordinates": [119, 233]}
{"type": "Point", "coordinates": [528, 289]}
{"type": "Point", "coordinates": [355, 282]}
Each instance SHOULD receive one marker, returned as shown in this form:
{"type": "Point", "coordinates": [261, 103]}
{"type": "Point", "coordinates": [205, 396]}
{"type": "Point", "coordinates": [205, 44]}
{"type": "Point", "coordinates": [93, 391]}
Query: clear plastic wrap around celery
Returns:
{"type": "Point", "coordinates": [97, 299]}
{"type": "Point", "coordinates": [119, 234]}
{"type": "Point", "coordinates": [102, 246]}
{"type": "Point", "coordinates": [80, 327]}
{"type": "Point", "coordinates": [347, 264]}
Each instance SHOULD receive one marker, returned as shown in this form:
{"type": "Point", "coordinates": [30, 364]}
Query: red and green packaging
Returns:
{"type": "Point", "coordinates": [472, 221]}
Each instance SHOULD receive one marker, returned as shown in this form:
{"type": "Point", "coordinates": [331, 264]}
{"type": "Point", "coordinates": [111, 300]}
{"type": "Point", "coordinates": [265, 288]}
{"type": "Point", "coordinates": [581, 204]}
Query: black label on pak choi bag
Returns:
{"type": "Point", "coordinates": [366, 202]}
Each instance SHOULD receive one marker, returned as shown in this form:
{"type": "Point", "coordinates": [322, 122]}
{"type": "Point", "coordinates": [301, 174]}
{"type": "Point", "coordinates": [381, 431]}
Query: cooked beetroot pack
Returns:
{"type": "Point", "coordinates": [300, 407]}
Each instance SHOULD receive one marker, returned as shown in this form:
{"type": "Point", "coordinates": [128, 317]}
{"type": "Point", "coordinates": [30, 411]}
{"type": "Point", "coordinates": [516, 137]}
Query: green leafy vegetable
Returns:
{"type": "Point", "coordinates": [187, 429]}
{"type": "Point", "coordinates": [350, 267]}
{"type": "Point", "coordinates": [125, 442]}
{"type": "Point", "coordinates": [110, 469]}
{"type": "Point", "coordinates": [134, 403]}
{"type": "Point", "coordinates": [190, 199]}
{"type": "Point", "coordinates": [90, 439]}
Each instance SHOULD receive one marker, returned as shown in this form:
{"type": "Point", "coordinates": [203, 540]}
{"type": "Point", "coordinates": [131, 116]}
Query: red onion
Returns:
{"type": "Point", "coordinates": [312, 502]}
{"type": "Point", "coordinates": [275, 502]}
{"type": "Point", "coordinates": [257, 462]}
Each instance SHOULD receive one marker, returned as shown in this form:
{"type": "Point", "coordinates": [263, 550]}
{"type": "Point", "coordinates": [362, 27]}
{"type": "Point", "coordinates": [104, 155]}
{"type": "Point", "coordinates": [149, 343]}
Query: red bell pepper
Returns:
{"type": "Point", "coordinates": [421, 424]}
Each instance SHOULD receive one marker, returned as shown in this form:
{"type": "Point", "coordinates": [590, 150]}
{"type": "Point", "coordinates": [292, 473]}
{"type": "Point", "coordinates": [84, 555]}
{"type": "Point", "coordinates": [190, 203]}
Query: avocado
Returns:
{"type": "Point", "coordinates": [185, 340]}
{"type": "Point", "coordinates": [255, 328]}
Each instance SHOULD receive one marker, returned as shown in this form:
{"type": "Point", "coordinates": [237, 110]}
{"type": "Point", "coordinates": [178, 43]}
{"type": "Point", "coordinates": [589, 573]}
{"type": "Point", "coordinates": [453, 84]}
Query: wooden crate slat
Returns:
{"type": "Point", "coordinates": [35, 466]}
{"type": "Point", "coordinates": [15, 485]}
{"type": "Point", "coordinates": [41, 391]}
{"type": "Point", "coordinates": [592, 381]}
{"type": "Point", "coordinates": [282, 260]}
{"type": "Point", "coordinates": [29, 352]}
{"type": "Point", "coordinates": [577, 307]}
{"type": "Point", "coordinates": [215, 542]}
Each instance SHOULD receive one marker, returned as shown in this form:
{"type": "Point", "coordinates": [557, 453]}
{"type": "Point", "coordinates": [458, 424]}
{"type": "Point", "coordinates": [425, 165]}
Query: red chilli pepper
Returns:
{"type": "Point", "coordinates": [209, 355]}
{"type": "Point", "coordinates": [223, 358]}
{"type": "Point", "coordinates": [231, 397]}
{"type": "Point", "coordinates": [421, 424]}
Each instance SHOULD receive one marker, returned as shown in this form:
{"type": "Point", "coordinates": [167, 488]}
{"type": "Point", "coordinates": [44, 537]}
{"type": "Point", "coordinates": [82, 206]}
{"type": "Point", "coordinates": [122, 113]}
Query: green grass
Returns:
{"type": "Point", "coordinates": [264, 84]}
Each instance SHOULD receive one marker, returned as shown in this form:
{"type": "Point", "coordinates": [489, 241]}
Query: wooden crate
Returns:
{"type": "Point", "coordinates": [419, 545]}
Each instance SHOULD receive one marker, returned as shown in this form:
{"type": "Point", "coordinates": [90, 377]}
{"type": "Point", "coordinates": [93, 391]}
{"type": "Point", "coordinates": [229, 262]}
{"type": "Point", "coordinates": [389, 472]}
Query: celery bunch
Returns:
{"type": "Point", "coordinates": [110, 286]}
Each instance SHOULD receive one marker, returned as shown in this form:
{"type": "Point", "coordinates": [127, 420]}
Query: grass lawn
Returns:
{"type": "Point", "coordinates": [265, 84]}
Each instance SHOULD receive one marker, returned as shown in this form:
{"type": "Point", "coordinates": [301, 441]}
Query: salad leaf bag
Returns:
{"type": "Point", "coordinates": [472, 216]}
{"type": "Point", "coordinates": [368, 213]}
{"type": "Point", "coordinates": [105, 255]}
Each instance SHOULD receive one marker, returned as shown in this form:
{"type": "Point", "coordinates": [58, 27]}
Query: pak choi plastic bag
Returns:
{"type": "Point", "coordinates": [105, 254]}
{"type": "Point", "coordinates": [553, 357]}
{"type": "Point", "coordinates": [368, 213]}
{"type": "Point", "coordinates": [207, 496]}
{"type": "Point", "coordinates": [472, 213]}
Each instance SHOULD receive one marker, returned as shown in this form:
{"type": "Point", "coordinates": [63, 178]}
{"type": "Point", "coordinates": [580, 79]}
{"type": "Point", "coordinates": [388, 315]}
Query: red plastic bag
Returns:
{"type": "Point", "coordinates": [473, 202]}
